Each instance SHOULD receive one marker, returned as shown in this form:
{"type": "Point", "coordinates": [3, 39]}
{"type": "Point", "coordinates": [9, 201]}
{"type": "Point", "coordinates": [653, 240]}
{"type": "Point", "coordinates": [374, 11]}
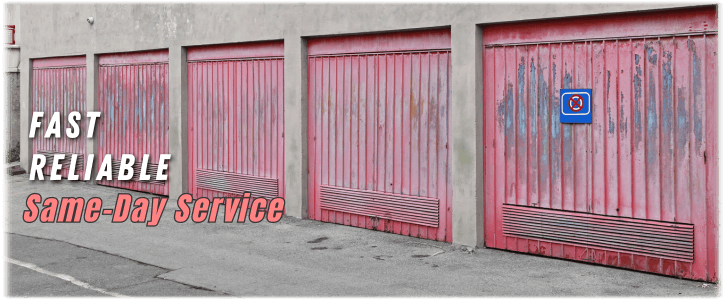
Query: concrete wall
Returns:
{"type": "Point", "coordinates": [12, 123]}
{"type": "Point", "coordinates": [12, 89]}
{"type": "Point", "coordinates": [59, 30]}
{"type": "Point", "coordinates": [12, 17]}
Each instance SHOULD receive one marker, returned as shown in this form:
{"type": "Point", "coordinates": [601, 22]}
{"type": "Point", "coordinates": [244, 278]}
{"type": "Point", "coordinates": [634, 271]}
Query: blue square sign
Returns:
{"type": "Point", "coordinates": [576, 106]}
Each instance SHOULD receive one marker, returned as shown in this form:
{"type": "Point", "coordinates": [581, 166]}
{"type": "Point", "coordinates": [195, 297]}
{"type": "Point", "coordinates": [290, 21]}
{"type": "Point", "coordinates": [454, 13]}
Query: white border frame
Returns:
{"type": "Point", "coordinates": [562, 106]}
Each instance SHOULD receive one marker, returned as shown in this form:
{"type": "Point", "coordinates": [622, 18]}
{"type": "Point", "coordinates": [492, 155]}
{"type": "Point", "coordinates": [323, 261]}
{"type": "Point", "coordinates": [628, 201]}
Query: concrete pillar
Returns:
{"type": "Point", "coordinates": [92, 105]}
{"type": "Point", "coordinates": [466, 121]}
{"type": "Point", "coordinates": [178, 168]}
{"type": "Point", "coordinates": [296, 182]}
{"type": "Point", "coordinates": [26, 149]}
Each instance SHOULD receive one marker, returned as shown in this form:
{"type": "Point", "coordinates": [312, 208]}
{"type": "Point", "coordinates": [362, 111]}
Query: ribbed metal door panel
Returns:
{"type": "Point", "coordinates": [637, 187]}
{"type": "Point", "coordinates": [378, 132]}
{"type": "Point", "coordinates": [59, 85]}
{"type": "Point", "coordinates": [133, 98]}
{"type": "Point", "coordinates": [236, 120]}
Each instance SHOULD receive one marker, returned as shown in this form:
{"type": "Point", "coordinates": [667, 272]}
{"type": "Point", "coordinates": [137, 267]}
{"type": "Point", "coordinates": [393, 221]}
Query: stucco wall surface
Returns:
{"type": "Point", "coordinates": [12, 134]}
{"type": "Point", "coordinates": [62, 29]}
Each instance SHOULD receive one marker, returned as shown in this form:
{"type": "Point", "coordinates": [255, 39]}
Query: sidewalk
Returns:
{"type": "Point", "coordinates": [309, 258]}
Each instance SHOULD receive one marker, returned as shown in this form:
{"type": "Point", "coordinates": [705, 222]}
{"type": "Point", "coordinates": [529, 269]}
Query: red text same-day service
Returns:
{"type": "Point", "coordinates": [149, 211]}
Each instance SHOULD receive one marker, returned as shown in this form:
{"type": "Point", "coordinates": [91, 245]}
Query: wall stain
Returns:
{"type": "Point", "coordinates": [162, 112]}
{"type": "Point", "coordinates": [521, 116]}
{"type": "Point", "coordinates": [623, 118]}
{"type": "Point", "coordinates": [555, 123]}
{"type": "Point", "coordinates": [567, 128]}
{"type": "Point", "coordinates": [683, 120]}
{"type": "Point", "coordinates": [611, 124]}
{"type": "Point", "coordinates": [697, 94]}
{"type": "Point", "coordinates": [502, 106]}
{"type": "Point", "coordinates": [543, 114]}
{"type": "Point", "coordinates": [652, 56]}
{"type": "Point", "coordinates": [125, 110]}
{"type": "Point", "coordinates": [509, 129]}
{"type": "Point", "coordinates": [153, 94]}
{"type": "Point", "coordinates": [637, 94]}
{"type": "Point", "coordinates": [143, 98]}
{"type": "Point", "coordinates": [667, 96]}
{"type": "Point", "coordinates": [533, 100]}
{"type": "Point", "coordinates": [555, 108]}
{"type": "Point", "coordinates": [652, 146]}
{"type": "Point", "coordinates": [568, 81]}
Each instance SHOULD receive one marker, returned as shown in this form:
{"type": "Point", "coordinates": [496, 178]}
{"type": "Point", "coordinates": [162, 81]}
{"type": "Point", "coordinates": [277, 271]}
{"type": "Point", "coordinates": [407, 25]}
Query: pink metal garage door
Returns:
{"type": "Point", "coordinates": [637, 188]}
{"type": "Point", "coordinates": [236, 118]}
{"type": "Point", "coordinates": [378, 132]}
{"type": "Point", "coordinates": [134, 101]}
{"type": "Point", "coordinates": [59, 85]}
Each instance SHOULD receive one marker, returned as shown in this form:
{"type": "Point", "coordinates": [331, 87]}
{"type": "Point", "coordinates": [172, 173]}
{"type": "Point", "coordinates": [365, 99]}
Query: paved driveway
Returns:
{"type": "Point", "coordinates": [289, 258]}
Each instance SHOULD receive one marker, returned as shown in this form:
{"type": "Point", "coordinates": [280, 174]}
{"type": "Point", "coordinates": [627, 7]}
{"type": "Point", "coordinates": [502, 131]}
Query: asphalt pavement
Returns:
{"type": "Point", "coordinates": [41, 267]}
{"type": "Point", "coordinates": [290, 258]}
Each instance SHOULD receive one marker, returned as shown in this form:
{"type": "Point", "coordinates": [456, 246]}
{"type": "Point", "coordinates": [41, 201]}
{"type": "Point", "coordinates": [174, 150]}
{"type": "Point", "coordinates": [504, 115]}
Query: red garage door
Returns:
{"type": "Point", "coordinates": [236, 117]}
{"type": "Point", "coordinates": [59, 85]}
{"type": "Point", "coordinates": [637, 187]}
{"type": "Point", "coordinates": [378, 132]}
{"type": "Point", "coordinates": [134, 103]}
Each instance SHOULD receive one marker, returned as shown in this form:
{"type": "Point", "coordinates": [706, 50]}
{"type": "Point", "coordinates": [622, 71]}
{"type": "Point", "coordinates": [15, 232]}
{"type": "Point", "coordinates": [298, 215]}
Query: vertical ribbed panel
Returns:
{"type": "Point", "coordinates": [236, 126]}
{"type": "Point", "coordinates": [380, 122]}
{"type": "Point", "coordinates": [134, 101]}
{"type": "Point", "coordinates": [59, 89]}
{"type": "Point", "coordinates": [644, 155]}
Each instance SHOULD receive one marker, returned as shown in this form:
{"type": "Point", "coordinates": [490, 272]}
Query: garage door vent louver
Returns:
{"type": "Point", "coordinates": [652, 238]}
{"type": "Point", "coordinates": [402, 208]}
{"type": "Point", "coordinates": [151, 170]}
{"type": "Point", "coordinates": [237, 184]}
{"type": "Point", "coordinates": [66, 161]}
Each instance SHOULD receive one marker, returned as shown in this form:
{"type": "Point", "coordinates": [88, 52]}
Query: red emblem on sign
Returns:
{"type": "Point", "coordinates": [576, 103]}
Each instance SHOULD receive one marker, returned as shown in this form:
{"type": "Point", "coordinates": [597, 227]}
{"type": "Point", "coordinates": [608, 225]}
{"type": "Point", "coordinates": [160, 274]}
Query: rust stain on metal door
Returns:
{"type": "Point", "coordinates": [59, 85]}
{"type": "Point", "coordinates": [236, 120]}
{"type": "Point", "coordinates": [133, 98]}
{"type": "Point", "coordinates": [378, 132]}
{"type": "Point", "coordinates": [634, 189]}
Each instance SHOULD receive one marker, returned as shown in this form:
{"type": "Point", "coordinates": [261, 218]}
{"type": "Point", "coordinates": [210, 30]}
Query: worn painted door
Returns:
{"type": "Point", "coordinates": [378, 132]}
{"type": "Point", "coordinates": [236, 120]}
{"type": "Point", "coordinates": [133, 98]}
{"type": "Point", "coordinates": [59, 85]}
{"type": "Point", "coordinates": [637, 188]}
